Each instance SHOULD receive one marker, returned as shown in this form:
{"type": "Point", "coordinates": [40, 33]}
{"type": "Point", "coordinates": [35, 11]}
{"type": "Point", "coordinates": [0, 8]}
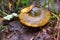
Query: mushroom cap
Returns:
{"type": "Point", "coordinates": [35, 21]}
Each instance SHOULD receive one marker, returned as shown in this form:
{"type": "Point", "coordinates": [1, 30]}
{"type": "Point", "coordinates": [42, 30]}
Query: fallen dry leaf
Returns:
{"type": "Point", "coordinates": [15, 25]}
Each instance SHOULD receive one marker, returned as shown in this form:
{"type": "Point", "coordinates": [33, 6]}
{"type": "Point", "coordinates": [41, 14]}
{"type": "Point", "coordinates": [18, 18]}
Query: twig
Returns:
{"type": "Point", "coordinates": [32, 38]}
{"type": "Point", "coordinates": [35, 36]}
{"type": "Point", "coordinates": [58, 24]}
{"type": "Point", "coordinates": [55, 15]}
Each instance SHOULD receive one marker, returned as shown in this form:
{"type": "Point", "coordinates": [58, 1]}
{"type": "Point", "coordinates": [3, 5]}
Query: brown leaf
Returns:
{"type": "Point", "coordinates": [15, 25]}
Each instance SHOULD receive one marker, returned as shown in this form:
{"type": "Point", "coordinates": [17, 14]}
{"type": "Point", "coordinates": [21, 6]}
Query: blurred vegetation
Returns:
{"type": "Point", "coordinates": [13, 6]}
{"type": "Point", "coordinates": [53, 6]}
{"type": "Point", "coordinates": [45, 4]}
{"type": "Point", "coordinates": [25, 2]}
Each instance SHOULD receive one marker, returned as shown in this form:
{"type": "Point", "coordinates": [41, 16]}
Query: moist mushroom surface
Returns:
{"type": "Point", "coordinates": [36, 18]}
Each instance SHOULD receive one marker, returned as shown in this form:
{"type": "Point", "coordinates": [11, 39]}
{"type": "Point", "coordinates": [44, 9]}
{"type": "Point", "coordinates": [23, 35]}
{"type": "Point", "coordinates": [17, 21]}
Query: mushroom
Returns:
{"type": "Point", "coordinates": [37, 17]}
